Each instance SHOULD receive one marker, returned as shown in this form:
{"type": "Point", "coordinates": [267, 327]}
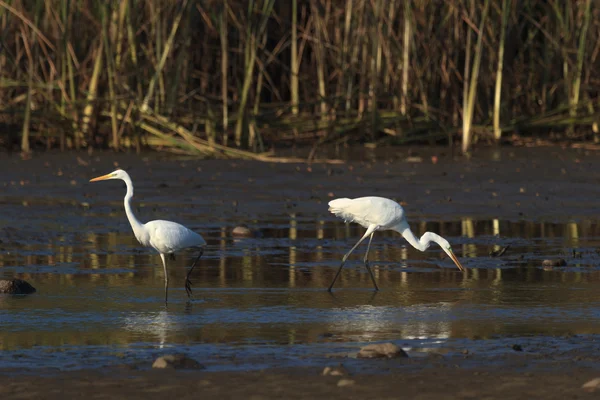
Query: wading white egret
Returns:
{"type": "Point", "coordinates": [166, 237]}
{"type": "Point", "coordinates": [380, 214]}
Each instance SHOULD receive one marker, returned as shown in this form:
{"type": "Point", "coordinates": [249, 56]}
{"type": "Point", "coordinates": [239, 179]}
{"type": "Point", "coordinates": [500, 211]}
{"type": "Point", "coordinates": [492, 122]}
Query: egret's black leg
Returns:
{"type": "Point", "coordinates": [188, 283]}
{"type": "Point", "coordinates": [370, 230]}
{"type": "Point", "coordinates": [367, 261]}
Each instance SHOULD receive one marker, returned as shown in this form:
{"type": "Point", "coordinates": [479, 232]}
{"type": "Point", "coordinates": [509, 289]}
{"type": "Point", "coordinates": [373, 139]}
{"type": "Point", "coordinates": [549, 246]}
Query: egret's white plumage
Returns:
{"type": "Point", "coordinates": [166, 237]}
{"type": "Point", "coordinates": [378, 214]}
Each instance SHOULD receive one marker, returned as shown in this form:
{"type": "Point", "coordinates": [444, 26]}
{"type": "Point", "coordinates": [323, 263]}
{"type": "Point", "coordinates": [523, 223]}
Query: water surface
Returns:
{"type": "Point", "coordinates": [263, 300]}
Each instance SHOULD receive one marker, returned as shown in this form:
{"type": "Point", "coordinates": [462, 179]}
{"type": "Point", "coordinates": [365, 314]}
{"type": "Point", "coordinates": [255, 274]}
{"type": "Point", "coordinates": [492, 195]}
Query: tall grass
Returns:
{"type": "Point", "coordinates": [206, 76]}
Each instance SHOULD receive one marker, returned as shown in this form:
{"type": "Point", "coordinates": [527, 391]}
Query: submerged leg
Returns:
{"type": "Point", "coordinates": [370, 230]}
{"type": "Point", "coordinates": [367, 261]}
{"type": "Point", "coordinates": [188, 283]}
{"type": "Point", "coordinates": [162, 257]}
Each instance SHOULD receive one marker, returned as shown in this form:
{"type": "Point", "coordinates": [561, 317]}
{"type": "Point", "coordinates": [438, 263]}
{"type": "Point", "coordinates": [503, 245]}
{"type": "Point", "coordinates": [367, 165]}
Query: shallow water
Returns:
{"type": "Point", "coordinates": [262, 301]}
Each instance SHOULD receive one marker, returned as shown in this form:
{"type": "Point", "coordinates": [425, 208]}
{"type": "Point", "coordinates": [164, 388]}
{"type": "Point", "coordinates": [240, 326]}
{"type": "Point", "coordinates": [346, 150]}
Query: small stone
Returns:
{"type": "Point", "coordinates": [335, 371]}
{"type": "Point", "coordinates": [176, 361]}
{"type": "Point", "coordinates": [591, 386]}
{"type": "Point", "coordinates": [15, 286]}
{"type": "Point", "coordinates": [557, 262]}
{"type": "Point", "coordinates": [345, 382]}
{"type": "Point", "coordinates": [517, 347]}
{"type": "Point", "coordinates": [499, 252]}
{"type": "Point", "coordinates": [242, 231]}
{"type": "Point", "coordinates": [380, 350]}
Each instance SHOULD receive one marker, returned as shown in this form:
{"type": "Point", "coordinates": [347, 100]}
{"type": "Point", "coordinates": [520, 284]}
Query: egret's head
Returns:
{"type": "Point", "coordinates": [116, 174]}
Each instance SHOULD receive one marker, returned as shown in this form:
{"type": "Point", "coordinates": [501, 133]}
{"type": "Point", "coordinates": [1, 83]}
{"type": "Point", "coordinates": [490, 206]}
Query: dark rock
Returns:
{"type": "Point", "coordinates": [381, 350]}
{"type": "Point", "coordinates": [517, 347]}
{"type": "Point", "coordinates": [500, 252]}
{"type": "Point", "coordinates": [557, 262]}
{"type": "Point", "coordinates": [15, 286]}
{"type": "Point", "coordinates": [176, 361]}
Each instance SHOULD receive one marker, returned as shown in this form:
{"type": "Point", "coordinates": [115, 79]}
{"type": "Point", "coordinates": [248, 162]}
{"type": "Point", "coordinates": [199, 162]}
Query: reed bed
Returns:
{"type": "Point", "coordinates": [234, 78]}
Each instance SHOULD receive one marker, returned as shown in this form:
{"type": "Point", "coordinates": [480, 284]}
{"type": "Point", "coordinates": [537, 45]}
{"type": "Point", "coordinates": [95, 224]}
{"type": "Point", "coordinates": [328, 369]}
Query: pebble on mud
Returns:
{"type": "Point", "coordinates": [345, 382]}
{"type": "Point", "coordinates": [242, 231]}
{"type": "Point", "coordinates": [499, 252]}
{"type": "Point", "coordinates": [15, 286]}
{"type": "Point", "coordinates": [517, 347]}
{"type": "Point", "coordinates": [591, 386]}
{"type": "Point", "coordinates": [176, 361]}
{"type": "Point", "coordinates": [381, 350]}
{"type": "Point", "coordinates": [557, 262]}
{"type": "Point", "coordinates": [335, 371]}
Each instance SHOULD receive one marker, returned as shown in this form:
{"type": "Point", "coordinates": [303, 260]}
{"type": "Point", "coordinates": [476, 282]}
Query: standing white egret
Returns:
{"type": "Point", "coordinates": [380, 214]}
{"type": "Point", "coordinates": [166, 237]}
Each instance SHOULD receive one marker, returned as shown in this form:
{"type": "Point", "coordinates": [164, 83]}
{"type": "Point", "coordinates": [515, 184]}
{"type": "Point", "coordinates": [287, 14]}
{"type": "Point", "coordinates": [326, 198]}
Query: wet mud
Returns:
{"type": "Point", "coordinates": [261, 316]}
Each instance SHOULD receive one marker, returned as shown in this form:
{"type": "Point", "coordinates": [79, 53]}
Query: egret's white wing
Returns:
{"type": "Point", "coordinates": [368, 211]}
{"type": "Point", "coordinates": [169, 237]}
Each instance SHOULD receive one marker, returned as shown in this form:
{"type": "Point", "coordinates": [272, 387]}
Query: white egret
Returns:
{"type": "Point", "coordinates": [166, 237]}
{"type": "Point", "coordinates": [380, 214]}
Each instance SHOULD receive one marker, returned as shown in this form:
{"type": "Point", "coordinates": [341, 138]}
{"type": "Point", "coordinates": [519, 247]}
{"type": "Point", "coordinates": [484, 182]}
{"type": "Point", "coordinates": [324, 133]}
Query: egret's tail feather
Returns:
{"type": "Point", "coordinates": [339, 204]}
{"type": "Point", "coordinates": [339, 207]}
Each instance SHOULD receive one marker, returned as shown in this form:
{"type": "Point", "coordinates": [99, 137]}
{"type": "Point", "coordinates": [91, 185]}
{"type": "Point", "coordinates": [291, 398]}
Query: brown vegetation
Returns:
{"type": "Point", "coordinates": [232, 78]}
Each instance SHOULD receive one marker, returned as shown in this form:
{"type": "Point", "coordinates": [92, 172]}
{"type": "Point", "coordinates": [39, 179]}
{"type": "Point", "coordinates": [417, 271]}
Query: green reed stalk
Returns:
{"type": "Point", "coordinates": [223, 32]}
{"type": "Point", "coordinates": [32, 50]}
{"type": "Point", "coordinates": [175, 73]}
{"type": "Point", "coordinates": [110, 71]}
{"type": "Point", "coordinates": [295, 65]}
{"type": "Point", "coordinates": [468, 112]}
{"type": "Point", "coordinates": [320, 58]}
{"type": "Point", "coordinates": [353, 55]}
{"type": "Point", "coordinates": [254, 32]}
{"type": "Point", "coordinates": [133, 49]}
{"type": "Point", "coordinates": [250, 55]}
{"type": "Point", "coordinates": [68, 60]}
{"type": "Point", "coordinates": [499, 67]}
{"type": "Point", "coordinates": [117, 36]}
{"type": "Point", "coordinates": [361, 46]}
{"type": "Point", "coordinates": [27, 112]}
{"type": "Point", "coordinates": [254, 134]}
{"type": "Point", "coordinates": [389, 20]}
{"type": "Point", "coordinates": [405, 56]}
{"type": "Point", "coordinates": [375, 66]}
{"type": "Point", "coordinates": [580, 56]}
{"type": "Point", "coordinates": [167, 49]}
{"type": "Point", "coordinates": [91, 97]}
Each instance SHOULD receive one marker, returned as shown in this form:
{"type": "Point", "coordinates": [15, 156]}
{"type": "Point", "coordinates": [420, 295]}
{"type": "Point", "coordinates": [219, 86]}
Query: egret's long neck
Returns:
{"type": "Point", "coordinates": [421, 244]}
{"type": "Point", "coordinates": [135, 223]}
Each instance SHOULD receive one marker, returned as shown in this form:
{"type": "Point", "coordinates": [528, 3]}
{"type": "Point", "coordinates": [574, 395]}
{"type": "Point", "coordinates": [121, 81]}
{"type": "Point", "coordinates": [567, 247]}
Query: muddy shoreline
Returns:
{"type": "Point", "coordinates": [434, 378]}
{"type": "Point", "coordinates": [511, 184]}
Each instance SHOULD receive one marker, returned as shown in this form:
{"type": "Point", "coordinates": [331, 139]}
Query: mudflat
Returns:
{"type": "Point", "coordinates": [547, 347]}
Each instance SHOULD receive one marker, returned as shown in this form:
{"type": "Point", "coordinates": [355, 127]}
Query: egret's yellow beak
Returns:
{"type": "Point", "coordinates": [102, 178]}
{"type": "Point", "coordinates": [453, 257]}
